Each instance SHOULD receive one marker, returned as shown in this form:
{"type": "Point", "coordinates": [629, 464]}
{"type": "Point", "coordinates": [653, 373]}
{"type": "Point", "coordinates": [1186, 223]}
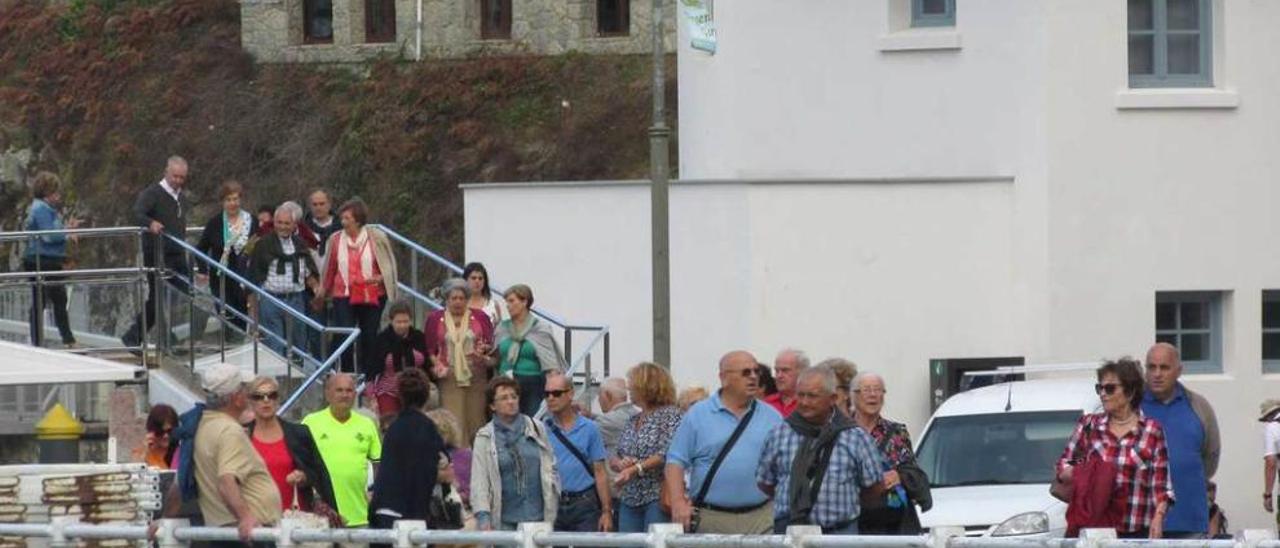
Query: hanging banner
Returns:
{"type": "Point", "coordinates": [702, 28]}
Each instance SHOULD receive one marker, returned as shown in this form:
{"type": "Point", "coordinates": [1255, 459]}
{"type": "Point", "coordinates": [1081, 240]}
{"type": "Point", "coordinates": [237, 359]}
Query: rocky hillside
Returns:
{"type": "Point", "coordinates": [103, 90]}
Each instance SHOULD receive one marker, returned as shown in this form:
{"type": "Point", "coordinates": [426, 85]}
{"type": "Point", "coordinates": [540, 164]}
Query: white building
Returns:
{"type": "Point", "coordinates": [1038, 180]}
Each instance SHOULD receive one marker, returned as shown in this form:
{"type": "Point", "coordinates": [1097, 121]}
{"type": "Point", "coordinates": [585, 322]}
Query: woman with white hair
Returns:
{"type": "Point", "coordinates": [460, 344]}
{"type": "Point", "coordinates": [905, 482]}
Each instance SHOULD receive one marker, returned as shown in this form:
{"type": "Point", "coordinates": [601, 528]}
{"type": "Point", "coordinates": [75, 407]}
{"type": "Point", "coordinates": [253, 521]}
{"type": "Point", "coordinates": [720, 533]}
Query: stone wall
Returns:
{"type": "Point", "coordinates": [272, 30]}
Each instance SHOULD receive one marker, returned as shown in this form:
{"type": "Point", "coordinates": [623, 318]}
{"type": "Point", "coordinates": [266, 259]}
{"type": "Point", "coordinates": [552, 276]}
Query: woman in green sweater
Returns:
{"type": "Point", "coordinates": [527, 349]}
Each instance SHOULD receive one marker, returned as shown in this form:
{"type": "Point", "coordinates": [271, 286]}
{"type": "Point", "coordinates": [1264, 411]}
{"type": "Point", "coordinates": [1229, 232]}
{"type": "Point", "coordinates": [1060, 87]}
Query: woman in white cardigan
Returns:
{"type": "Point", "coordinates": [513, 477]}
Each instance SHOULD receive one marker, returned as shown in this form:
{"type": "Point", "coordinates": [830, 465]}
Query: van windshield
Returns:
{"type": "Point", "coordinates": [999, 448]}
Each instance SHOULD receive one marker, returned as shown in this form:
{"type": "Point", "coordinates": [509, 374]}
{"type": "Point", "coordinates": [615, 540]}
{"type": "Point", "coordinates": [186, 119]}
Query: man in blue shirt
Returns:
{"type": "Point", "coordinates": [1191, 434]}
{"type": "Point", "coordinates": [584, 485]}
{"type": "Point", "coordinates": [733, 503]}
{"type": "Point", "coordinates": [818, 464]}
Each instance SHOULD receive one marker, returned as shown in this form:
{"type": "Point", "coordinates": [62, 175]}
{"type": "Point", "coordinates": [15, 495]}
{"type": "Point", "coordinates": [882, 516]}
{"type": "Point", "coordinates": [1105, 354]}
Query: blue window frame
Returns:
{"type": "Point", "coordinates": [933, 13]}
{"type": "Point", "coordinates": [1170, 43]}
{"type": "Point", "coordinates": [1192, 321]}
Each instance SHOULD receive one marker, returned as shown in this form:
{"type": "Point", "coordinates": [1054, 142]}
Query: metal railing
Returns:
{"type": "Point", "coordinates": [172, 533]}
{"type": "Point", "coordinates": [322, 364]}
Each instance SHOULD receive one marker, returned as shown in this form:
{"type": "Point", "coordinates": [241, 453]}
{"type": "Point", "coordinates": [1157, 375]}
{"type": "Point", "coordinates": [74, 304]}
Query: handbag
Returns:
{"type": "Point", "coordinates": [306, 520]}
{"type": "Point", "coordinates": [444, 510]}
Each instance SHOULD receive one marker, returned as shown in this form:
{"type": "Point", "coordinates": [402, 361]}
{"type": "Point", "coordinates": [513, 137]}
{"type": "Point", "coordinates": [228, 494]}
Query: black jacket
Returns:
{"type": "Point", "coordinates": [154, 204]}
{"type": "Point", "coordinates": [410, 455]}
{"type": "Point", "coordinates": [212, 243]}
{"type": "Point", "coordinates": [306, 457]}
{"type": "Point", "coordinates": [400, 349]}
{"type": "Point", "coordinates": [268, 249]}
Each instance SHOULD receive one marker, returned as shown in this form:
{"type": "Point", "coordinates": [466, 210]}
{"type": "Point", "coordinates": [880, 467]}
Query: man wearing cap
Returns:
{"type": "Point", "coordinates": [235, 488]}
{"type": "Point", "coordinates": [348, 442]}
{"type": "Point", "coordinates": [1270, 420]}
{"type": "Point", "coordinates": [1191, 433]}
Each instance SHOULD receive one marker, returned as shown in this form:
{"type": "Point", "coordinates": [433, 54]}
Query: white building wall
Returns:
{"type": "Point", "coordinates": [896, 206]}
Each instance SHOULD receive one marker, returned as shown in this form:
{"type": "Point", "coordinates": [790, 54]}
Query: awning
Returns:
{"type": "Point", "coordinates": [23, 364]}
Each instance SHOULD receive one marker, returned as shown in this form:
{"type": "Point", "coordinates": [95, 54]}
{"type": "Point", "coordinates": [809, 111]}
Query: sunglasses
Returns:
{"type": "Point", "coordinates": [749, 372]}
{"type": "Point", "coordinates": [557, 393]}
{"type": "Point", "coordinates": [1108, 389]}
{"type": "Point", "coordinates": [265, 396]}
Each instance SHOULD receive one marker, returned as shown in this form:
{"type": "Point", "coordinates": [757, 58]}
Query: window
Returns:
{"type": "Point", "coordinates": [1170, 43]}
{"type": "Point", "coordinates": [317, 21]}
{"type": "Point", "coordinates": [1271, 331]}
{"type": "Point", "coordinates": [613, 17]}
{"type": "Point", "coordinates": [379, 21]}
{"type": "Point", "coordinates": [495, 19]}
{"type": "Point", "coordinates": [1192, 321]}
{"type": "Point", "coordinates": [997, 449]}
{"type": "Point", "coordinates": [933, 13]}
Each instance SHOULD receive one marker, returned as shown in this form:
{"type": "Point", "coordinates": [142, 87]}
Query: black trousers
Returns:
{"type": "Point", "coordinates": [145, 321]}
{"type": "Point", "coordinates": [369, 319]}
{"type": "Point", "coordinates": [235, 297]}
{"type": "Point", "coordinates": [55, 293]}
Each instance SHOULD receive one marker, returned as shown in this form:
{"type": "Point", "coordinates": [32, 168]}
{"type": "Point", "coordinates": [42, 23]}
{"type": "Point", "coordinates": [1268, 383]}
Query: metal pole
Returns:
{"type": "Point", "coordinates": [37, 301]}
{"type": "Point", "coordinates": [413, 272]}
{"type": "Point", "coordinates": [191, 312]}
{"type": "Point", "coordinates": [141, 299]}
{"type": "Point", "coordinates": [606, 355]}
{"type": "Point", "coordinates": [659, 164]}
{"type": "Point", "coordinates": [223, 322]}
{"type": "Point", "coordinates": [161, 297]}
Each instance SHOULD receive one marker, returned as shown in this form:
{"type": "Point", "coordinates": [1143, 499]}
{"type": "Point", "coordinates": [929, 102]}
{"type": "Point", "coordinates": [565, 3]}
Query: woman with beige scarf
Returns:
{"type": "Point", "coordinates": [360, 277]}
{"type": "Point", "coordinates": [460, 343]}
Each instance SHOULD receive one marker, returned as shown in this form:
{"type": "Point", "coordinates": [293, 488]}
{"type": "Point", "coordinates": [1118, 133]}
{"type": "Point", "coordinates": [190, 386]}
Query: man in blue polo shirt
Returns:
{"type": "Point", "coordinates": [1191, 434]}
{"type": "Point", "coordinates": [584, 485]}
{"type": "Point", "coordinates": [731, 502]}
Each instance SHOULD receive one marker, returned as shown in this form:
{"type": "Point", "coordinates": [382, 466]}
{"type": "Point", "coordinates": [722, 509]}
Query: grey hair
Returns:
{"type": "Point", "coordinates": [826, 374]}
{"type": "Point", "coordinates": [802, 359]}
{"type": "Point", "coordinates": [175, 161]}
{"type": "Point", "coordinates": [292, 208]}
{"type": "Point", "coordinates": [866, 375]}
{"type": "Point", "coordinates": [455, 284]}
{"type": "Point", "coordinates": [616, 387]}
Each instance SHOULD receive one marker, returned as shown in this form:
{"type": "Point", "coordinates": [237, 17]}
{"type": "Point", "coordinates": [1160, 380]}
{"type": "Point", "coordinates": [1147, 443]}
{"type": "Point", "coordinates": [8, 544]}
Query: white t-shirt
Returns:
{"type": "Point", "coordinates": [1271, 439]}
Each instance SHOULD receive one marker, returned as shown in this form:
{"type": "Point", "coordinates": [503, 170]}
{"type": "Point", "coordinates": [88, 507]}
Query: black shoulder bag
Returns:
{"type": "Point", "coordinates": [591, 472]}
{"type": "Point", "coordinates": [715, 465]}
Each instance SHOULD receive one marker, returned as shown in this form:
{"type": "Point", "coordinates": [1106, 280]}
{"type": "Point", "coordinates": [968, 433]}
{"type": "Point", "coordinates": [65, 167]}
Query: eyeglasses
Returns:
{"type": "Point", "coordinates": [749, 372]}
{"type": "Point", "coordinates": [557, 393]}
{"type": "Point", "coordinates": [1109, 388]}
{"type": "Point", "coordinates": [265, 396]}
{"type": "Point", "coordinates": [871, 391]}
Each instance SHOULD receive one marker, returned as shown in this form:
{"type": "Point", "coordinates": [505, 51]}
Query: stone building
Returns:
{"type": "Point", "coordinates": [346, 31]}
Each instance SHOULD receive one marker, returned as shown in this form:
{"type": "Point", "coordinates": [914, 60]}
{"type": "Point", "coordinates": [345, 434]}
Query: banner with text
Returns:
{"type": "Point", "coordinates": [702, 28]}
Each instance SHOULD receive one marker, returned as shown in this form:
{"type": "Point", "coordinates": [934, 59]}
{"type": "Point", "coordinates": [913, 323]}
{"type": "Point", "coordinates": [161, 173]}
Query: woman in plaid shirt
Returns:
{"type": "Point", "coordinates": [1133, 443]}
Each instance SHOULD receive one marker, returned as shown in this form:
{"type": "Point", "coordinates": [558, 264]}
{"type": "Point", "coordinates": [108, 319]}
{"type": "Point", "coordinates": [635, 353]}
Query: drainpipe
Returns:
{"type": "Point", "coordinates": [417, 50]}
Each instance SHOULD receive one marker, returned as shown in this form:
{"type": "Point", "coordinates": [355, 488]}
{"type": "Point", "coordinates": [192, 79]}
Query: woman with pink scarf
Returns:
{"type": "Point", "coordinates": [360, 277]}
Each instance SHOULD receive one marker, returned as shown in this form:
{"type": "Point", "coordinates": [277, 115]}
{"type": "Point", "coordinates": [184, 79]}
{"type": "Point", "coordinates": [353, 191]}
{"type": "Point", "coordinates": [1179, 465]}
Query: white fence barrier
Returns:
{"type": "Point", "coordinates": [64, 532]}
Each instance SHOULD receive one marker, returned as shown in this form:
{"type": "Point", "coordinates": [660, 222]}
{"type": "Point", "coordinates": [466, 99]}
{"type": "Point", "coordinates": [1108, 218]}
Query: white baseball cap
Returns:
{"type": "Point", "coordinates": [224, 379]}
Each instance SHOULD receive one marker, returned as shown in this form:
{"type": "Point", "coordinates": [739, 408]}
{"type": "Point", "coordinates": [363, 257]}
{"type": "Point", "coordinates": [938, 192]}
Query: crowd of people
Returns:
{"type": "Point", "coordinates": [450, 429]}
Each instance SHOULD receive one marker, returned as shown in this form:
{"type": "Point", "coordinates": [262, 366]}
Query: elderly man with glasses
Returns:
{"type": "Point", "coordinates": [585, 505]}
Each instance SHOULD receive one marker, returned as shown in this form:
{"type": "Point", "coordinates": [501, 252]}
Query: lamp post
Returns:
{"type": "Point", "coordinates": [659, 137]}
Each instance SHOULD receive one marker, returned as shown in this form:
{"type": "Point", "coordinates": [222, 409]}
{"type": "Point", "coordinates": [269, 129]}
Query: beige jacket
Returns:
{"type": "Point", "coordinates": [486, 478]}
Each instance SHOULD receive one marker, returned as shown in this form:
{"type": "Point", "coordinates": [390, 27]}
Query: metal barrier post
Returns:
{"type": "Point", "coordinates": [1094, 538]}
{"type": "Point", "coordinates": [797, 533]}
{"type": "Point", "coordinates": [1251, 538]}
{"type": "Point", "coordinates": [606, 355]}
{"type": "Point", "coordinates": [161, 298]}
{"type": "Point", "coordinates": [528, 530]}
{"type": "Point", "coordinates": [191, 312]}
{"type": "Point", "coordinates": [413, 279]}
{"type": "Point", "coordinates": [164, 532]}
{"type": "Point", "coordinates": [284, 538]}
{"type": "Point", "coordinates": [406, 527]}
{"type": "Point", "coordinates": [660, 532]}
{"type": "Point", "coordinates": [939, 537]}
{"type": "Point", "coordinates": [37, 301]}
{"type": "Point", "coordinates": [142, 299]}
{"type": "Point", "coordinates": [57, 531]}
{"type": "Point", "coordinates": [223, 323]}
{"type": "Point", "coordinates": [568, 344]}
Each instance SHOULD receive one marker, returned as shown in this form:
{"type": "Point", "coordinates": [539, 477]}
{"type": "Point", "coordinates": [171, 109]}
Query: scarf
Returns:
{"type": "Point", "coordinates": [362, 246]}
{"type": "Point", "coordinates": [809, 466]}
{"type": "Point", "coordinates": [461, 341]}
{"type": "Point", "coordinates": [282, 259]}
{"type": "Point", "coordinates": [518, 334]}
{"type": "Point", "coordinates": [511, 435]}
{"type": "Point", "coordinates": [234, 238]}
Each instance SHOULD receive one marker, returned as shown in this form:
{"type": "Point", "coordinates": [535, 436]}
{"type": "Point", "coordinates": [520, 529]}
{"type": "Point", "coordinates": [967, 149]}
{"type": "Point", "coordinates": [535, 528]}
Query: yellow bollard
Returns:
{"type": "Point", "coordinates": [58, 435]}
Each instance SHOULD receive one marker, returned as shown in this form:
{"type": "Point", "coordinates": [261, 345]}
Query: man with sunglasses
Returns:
{"type": "Point", "coordinates": [719, 442]}
{"type": "Point", "coordinates": [585, 505]}
{"type": "Point", "coordinates": [1191, 433]}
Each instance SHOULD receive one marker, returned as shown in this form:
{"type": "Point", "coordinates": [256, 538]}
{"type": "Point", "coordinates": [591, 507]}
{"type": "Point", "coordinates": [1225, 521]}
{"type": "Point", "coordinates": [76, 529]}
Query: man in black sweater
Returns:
{"type": "Point", "coordinates": [161, 208]}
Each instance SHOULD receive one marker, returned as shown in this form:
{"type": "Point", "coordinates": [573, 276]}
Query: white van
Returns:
{"type": "Point", "coordinates": [990, 454]}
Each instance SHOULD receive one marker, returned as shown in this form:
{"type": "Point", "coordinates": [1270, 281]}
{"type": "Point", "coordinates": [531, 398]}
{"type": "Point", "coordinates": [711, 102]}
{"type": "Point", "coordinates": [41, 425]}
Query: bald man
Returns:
{"type": "Point", "coordinates": [348, 442]}
{"type": "Point", "coordinates": [726, 500]}
{"type": "Point", "coordinates": [1191, 434]}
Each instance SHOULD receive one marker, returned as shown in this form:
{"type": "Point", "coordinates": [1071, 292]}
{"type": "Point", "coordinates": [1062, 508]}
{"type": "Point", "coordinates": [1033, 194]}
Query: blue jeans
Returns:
{"type": "Point", "coordinates": [636, 519]}
{"type": "Point", "coordinates": [273, 319]}
{"type": "Point", "coordinates": [579, 515]}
